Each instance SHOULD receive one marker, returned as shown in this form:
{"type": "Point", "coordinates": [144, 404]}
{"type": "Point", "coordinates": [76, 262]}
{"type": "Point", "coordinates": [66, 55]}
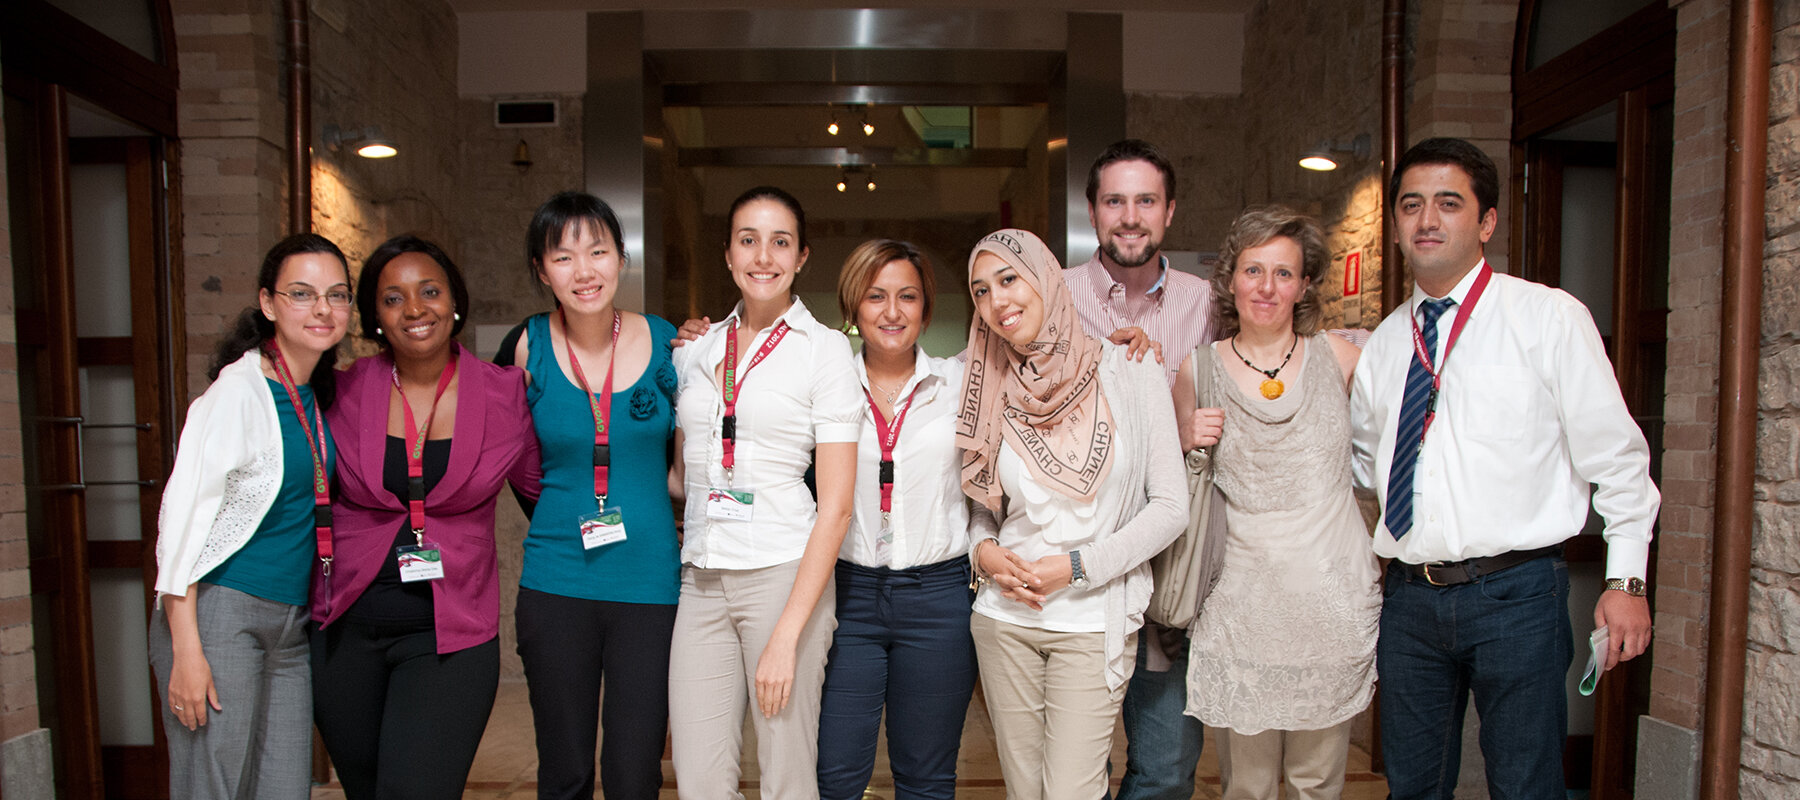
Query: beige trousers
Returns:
{"type": "Point", "coordinates": [723, 622]}
{"type": "Point", "coordinates": [1053, 715]}
{"type": "Point", "coordinates": [1312, 762]}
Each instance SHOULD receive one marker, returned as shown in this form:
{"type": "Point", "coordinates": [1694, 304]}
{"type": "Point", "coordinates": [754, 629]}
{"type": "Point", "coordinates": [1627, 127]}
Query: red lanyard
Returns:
{"type": "Point", "coordinates": [887, 436]}
{"type": "Point", "coordinates": [1466, 308]}
{"type": "Point", "coordinates": [601, 407]}
{"type": "Point", "coordinates": [728, 426]}
{"type": "Point", "coordinates": [315, 444]}
{"type": "Point", "coordinates": [415, 447]}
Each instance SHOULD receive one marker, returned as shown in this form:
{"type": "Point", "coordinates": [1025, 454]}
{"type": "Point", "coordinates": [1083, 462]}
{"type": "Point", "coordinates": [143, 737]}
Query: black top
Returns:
{"type": "Point", "coordinates": [387, 601]}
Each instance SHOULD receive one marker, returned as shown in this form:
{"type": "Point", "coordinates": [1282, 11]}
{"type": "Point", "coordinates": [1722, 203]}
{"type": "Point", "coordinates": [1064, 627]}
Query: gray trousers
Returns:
{"type": "Point", "coordinates": [260, 744]}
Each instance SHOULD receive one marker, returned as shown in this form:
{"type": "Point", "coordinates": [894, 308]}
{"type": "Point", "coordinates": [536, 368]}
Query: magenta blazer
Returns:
{"type": "Point", "coordinates": [493, 443]}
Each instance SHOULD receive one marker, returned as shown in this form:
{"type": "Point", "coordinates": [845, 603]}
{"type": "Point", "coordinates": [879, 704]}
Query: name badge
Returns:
{"type": "Point", "coordinates": [602, 528]}
{"type": "Point", "coordinates": [729, 504]}
{"type": "Point", "coordinates": [424, 562]}
{"type": "Point", "coordinates": [884, 541]}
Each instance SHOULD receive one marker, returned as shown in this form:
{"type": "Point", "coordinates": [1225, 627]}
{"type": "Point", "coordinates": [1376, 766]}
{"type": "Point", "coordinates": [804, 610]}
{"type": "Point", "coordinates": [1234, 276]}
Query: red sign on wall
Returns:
{"type": "Point", "coordinates": [1353, 274]}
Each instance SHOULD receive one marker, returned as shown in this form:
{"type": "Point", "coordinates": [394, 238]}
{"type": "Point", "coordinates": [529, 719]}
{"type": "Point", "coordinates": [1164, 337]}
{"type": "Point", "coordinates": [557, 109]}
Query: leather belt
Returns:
{"type": "Point", "coordinates": [1456, 573]}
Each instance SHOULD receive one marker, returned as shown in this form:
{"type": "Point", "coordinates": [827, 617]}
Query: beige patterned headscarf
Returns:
{"type": "Point", "coordinates": [1043, 399]}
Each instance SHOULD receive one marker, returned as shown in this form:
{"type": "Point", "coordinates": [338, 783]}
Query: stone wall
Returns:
{"type": "Point", "coordinates": [1298, 96]}
{"type": "Point", "coordinates": [391, 64]}
{"type": "Point", "coordinates": [1696, 251]}
{"type": "Point", "coordinates": [1771, 745]}
{"type": "Point", "coordinates": [1203, 136]}
{"type": "Point", "coordinates": [18, 664]}
{"type": "Point", "coordinates": [232, 200]}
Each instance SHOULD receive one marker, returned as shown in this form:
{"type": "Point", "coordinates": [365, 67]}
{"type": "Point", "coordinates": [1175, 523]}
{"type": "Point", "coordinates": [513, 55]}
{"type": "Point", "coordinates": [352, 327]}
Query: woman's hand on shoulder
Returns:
{"type": "Point", "coordinates": [691, 331]}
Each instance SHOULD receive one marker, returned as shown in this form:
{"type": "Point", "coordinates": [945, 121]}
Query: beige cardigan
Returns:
{"type": "Point", "coordinates": [1152, 517]}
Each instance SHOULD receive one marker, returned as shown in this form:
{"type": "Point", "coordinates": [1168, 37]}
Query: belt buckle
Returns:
{"type": "Point", "coordinates": [1426, 568]}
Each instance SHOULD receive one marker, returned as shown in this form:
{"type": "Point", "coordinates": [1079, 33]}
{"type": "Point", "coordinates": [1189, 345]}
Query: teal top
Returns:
{"type": "Point", "coordinates": [646, 566]}
{"type": "Point", "coordinates": [276, 563]}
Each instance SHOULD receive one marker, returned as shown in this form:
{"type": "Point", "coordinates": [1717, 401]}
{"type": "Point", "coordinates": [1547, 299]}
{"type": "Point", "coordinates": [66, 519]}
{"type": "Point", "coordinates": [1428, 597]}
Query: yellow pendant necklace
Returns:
{"type": "Point", "coordinates": [1272, 387]}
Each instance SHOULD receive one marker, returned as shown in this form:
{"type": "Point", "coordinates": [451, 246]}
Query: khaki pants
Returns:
{"type": "Point", "coordinates": [1312, 762]}
{"type": "Point", "coordinates": [1053, 715]}
{"type": "Point", "coordinates": [722, 624]}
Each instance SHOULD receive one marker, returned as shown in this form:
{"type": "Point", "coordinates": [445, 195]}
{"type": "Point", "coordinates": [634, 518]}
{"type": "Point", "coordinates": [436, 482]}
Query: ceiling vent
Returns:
{"type": "Point", "coordinates": [527, 113]}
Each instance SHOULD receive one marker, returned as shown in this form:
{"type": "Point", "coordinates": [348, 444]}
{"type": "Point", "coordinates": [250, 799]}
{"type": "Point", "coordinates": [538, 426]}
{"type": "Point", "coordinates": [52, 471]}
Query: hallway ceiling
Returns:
{"type": "Point", "coordinates": [1202, 6]}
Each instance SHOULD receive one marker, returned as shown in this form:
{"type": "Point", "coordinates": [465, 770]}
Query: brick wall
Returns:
{"type": "Point", "coordinates": [18, 668]}
{"type": "Point", "coordinates": [1771, 745]}
{"type": "Point", "coordinates": [1683, 569]}
{"type": "Point", "coordinates": [1461, 84]}
{"type": "Point", "coordinates": [1203, 137]}
{"type": "Point", "coordinates": [230, 110]}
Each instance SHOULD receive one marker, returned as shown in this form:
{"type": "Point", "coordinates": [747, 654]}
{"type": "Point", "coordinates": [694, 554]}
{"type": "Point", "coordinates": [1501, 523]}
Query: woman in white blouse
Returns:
{"type": "Point", "coordinates": [765, 392]}
{"type": "Point", "coordinates": [902, 639]}
{"type": "Point", "coordinates": [1070, 452]}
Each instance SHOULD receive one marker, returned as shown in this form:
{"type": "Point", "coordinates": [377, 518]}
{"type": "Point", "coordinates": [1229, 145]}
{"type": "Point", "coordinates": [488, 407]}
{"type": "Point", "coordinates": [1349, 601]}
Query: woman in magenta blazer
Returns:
{"type": "Point", "coordinates": [405, 647]}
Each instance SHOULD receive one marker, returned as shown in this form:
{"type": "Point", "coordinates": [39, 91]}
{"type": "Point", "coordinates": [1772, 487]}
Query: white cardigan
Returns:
{"type": "Point", "coordinates": [227, 472]}
{"type": "Point", "coordinates": [1155, 510]}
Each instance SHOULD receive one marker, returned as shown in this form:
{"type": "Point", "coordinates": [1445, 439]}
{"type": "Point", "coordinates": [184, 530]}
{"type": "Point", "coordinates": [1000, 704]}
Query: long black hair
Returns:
{"type": "Point", "coordinates": [252, 329]}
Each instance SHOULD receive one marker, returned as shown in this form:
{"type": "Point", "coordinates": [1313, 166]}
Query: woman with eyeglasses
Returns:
{"type": "Point", "coordinates": [406, 650]}
{"type": "Point", "coordinates": [239, 533]}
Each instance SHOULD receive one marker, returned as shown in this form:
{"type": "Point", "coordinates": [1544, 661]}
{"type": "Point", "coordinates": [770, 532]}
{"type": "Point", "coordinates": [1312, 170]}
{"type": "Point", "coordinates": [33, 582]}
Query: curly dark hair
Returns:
{"type": "Point", "coordinates": [1255, 228]}
{"type": "Point", "coordinates": [368, 283]}
{"type": "Point", "coordinates": [252, 330]}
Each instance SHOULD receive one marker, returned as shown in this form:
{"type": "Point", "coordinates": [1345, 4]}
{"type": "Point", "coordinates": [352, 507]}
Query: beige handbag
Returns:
{"type": "Point", "coordinates": [1186, 572]}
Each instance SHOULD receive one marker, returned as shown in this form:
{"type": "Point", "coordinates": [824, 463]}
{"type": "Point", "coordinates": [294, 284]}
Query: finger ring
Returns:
{"type": "Point", "coordinates": [178, 708]}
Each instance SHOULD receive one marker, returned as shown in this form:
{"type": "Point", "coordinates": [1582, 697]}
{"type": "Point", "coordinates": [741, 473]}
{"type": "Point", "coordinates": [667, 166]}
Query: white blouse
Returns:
{"type": "Point", "coordinates": [803, 393]}
{"type": "Point", "coordinates": [930, 517]}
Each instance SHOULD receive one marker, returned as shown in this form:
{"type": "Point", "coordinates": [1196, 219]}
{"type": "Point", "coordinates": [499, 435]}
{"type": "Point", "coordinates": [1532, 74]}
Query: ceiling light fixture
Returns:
{"type": "Point", "coordinates": [369, 141]}
{"type": "Point", "coordinates": [868, 127]}
{"type": "Point", "coordinates": [1323, 157]}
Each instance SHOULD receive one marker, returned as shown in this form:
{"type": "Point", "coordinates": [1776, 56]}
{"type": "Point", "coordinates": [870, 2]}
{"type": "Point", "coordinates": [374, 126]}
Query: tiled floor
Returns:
{"type": "Point", "coordinates": [506, 765]}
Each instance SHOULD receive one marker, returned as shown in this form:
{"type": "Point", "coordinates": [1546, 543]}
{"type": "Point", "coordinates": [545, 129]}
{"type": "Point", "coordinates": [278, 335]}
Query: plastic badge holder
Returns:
{"type": "Point", "coordinates": [1597, 644]}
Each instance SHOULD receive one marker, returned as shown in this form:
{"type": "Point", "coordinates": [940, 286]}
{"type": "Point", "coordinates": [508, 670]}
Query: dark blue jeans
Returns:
{"type": "Point", "coordinates": [1162, 745]}
{"type": "Point", "coordinates": [1506, 638]}
{"type": "Point", "coordinates": [902, 641]}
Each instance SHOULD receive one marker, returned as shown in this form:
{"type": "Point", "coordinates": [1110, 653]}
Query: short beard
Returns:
{"type": "Point", "coordinates": [1151, 250]}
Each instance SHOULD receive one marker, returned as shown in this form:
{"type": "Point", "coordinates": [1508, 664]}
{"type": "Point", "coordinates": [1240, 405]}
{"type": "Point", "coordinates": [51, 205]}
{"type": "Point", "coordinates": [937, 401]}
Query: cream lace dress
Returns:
{"type": "Point", "coordinates": [1286, 641]}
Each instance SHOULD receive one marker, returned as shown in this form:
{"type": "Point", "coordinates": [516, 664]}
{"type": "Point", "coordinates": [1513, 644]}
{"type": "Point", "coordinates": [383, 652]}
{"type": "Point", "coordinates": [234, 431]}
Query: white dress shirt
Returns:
{"type": "Point", "coordinates": [930, 517]}
{"type": "Point", "coordinates": [805, 392]}
{"type": "Point", "coordinates": [1528, 416]}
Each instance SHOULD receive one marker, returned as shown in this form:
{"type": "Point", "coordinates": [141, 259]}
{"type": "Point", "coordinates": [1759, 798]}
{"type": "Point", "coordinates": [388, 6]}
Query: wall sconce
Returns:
{"type": "Point", "coordinates": [522, 157]}
{"type": "Point", "coordinates": [1323, 156]}
{"type": "Point", "coordinates": [369, 141]}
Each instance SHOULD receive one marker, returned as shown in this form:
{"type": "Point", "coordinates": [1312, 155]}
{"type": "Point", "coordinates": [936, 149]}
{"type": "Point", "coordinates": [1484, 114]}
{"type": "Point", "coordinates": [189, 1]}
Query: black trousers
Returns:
{"type": "Point", "coordinates": [572, 646]}
{"type": "Point", "coordinates": [399, 720]}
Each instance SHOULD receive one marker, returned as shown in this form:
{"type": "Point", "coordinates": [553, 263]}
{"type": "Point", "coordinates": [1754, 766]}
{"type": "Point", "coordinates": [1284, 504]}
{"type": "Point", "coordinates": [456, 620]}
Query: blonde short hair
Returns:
{"type": "Point", "coordinates": [1256, 227]}
{"type": "Point", "coordinates": [866, 261]}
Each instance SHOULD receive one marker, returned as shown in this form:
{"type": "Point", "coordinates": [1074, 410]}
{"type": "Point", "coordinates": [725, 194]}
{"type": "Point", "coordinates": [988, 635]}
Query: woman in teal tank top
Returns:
{"type": "Point", "coordinates": [602, 569]}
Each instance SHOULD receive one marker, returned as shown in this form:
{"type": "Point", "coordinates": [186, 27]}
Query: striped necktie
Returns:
{"type": "Point", "coordinates": [1409, 436]}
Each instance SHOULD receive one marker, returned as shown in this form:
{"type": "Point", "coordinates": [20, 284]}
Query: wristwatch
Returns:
{"type": "Point", "coordinates": [1077, 575]}
{"type": "Point", "coordinates": [1631, 586]}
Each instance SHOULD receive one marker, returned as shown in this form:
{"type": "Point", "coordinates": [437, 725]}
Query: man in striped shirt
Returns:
{"type": "Point", "coordinates": [1131, 201]}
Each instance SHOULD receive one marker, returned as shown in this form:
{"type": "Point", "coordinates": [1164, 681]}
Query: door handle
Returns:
{"type": "Point", "coordinates": [81, 482]}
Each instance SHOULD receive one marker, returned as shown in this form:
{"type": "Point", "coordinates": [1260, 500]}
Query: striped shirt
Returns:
{"type": "Point", "coordinates": [1179, 316]}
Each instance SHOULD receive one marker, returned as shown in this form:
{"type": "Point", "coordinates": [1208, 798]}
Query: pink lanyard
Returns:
{"type": "Point", "coordinates": [728, 426]}
{"type": "Point", "coordinates": [601, 407]}
{"type": "Point", "coordinates": [887, 436]}
{"type": "Point", "coordinates": [315, 443]}
{"type": "Point", "coordinates": [1462, 318]}
{"type": "Point", "coordinates": [415, 447]}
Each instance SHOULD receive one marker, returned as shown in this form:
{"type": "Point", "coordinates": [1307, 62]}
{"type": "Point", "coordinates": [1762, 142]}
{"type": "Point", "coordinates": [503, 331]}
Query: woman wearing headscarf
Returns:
{"type": "Point", "coordinates": [1069, 452]}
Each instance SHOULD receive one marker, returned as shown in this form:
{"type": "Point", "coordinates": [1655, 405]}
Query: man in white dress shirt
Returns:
{"type": "Point", "coordinates": [1128, 282]}
{"type": "Point", "coordinates": [1482, 412]}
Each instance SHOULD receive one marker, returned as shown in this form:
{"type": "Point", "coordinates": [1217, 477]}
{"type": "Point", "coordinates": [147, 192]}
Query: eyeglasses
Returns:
{"type": "Point", "coordinates": [307, 298]}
